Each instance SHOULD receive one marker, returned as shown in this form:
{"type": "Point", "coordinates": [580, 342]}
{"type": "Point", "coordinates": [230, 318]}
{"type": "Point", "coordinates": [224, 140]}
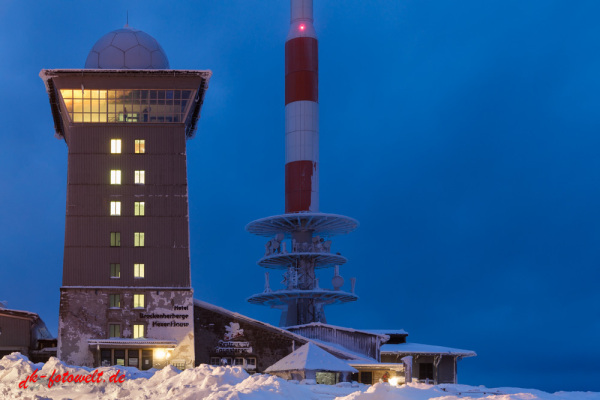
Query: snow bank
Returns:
{"type": "Point", "coordinates": [221, 383]}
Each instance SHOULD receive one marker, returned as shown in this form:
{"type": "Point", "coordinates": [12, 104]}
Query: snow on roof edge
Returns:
{"type": "Point", "coordinates": [341, 328]}
{"type": "Point", "coordinates": [311, 357]}
{"type": "Point", "coordinates": [31, 313]}
{"type": "Point", "coordinates": [418, 348]}
{"type": "Point", "coordinates": [387, 331]}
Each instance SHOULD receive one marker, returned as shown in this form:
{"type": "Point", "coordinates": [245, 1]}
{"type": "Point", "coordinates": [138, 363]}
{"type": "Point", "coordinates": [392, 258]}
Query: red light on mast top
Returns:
{"type": "Point", "coordinates": [302, 27]}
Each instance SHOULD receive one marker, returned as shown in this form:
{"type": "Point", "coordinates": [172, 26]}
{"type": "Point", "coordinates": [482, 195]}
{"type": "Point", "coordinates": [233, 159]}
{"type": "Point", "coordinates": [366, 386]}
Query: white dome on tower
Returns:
{"type": "Point", "coordinates": [127, 48]}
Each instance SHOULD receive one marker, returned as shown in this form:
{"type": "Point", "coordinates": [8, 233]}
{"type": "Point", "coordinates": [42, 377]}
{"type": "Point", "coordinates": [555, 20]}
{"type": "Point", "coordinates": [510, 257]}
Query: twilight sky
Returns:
{"type": "Point", "coordinates": [463, 135]}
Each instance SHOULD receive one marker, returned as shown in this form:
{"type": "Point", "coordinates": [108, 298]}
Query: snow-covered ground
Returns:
{"type": "Point", "coordinates": [207, 382]}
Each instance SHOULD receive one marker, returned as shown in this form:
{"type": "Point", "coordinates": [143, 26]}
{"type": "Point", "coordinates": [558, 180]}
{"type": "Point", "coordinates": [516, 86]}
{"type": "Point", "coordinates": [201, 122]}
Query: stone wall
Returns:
{"type": "Point", "coordinates": [86, 314]}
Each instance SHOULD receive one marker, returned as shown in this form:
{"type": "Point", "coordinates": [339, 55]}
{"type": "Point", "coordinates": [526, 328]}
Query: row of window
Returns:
{"type": "Point", "coordinates": [150, 106]}
{"type": "Point", "coordinates": [114, 331]}
{"type": "Point", "coordinates": [248, 363]}
{"type": "Point", "coordinates": [138, 239]}
{"type": "Point", "coordinates": [139, 301]}
{"type": "Point", "coordinates": [139, 208]}
{"type": "Point", "coordinates": [115, 146]}
{"type": "Point", "coordinates": [168, 115]}
{"type": "Point", "coordinates": [139, 177]}
{"type": "Point", "coordinates": [138, 270]}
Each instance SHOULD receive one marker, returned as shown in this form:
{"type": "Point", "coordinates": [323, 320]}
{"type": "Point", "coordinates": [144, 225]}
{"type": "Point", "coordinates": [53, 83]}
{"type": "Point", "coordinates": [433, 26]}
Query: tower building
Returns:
{"type": "Point", "coordinates": [126, 295]}
{"type": "Point", "coordinates": [300, 239]}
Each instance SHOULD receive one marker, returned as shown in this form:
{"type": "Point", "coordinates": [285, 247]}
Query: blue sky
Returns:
{"type": "Point", "coordinates": [464, 136]}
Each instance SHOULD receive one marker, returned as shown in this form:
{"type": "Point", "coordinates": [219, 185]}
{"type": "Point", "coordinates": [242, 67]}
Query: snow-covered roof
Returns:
{"type": "Point", "coordinates": [19, 313]}
{"type": "Point", "coordinates": [386, 331]}
{"type": "Point", "coordinates": [301, 339]}
{"type": "Point", "coordinates": [356, 357]}
{"type": "Point", "coordinates": [49, 75]}
{"type": "Point", "coordinates": [341, 328]}
{"type": "Point", "coordinates": [416, 348]}
{"type": "Point", "coordinates": [310, 357]}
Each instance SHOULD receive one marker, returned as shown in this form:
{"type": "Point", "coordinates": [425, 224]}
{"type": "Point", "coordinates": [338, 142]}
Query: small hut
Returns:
{"type": "Point", "coordinates": [310, 362]}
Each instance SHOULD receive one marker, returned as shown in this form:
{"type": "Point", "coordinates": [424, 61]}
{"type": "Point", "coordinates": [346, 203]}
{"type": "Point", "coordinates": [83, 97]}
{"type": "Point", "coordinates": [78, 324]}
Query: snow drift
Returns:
{"type": "Point", "coordinates": [208, 382]}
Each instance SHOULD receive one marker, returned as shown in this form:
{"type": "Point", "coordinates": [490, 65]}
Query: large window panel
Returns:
{"type": "Point", "coordinates": [126, 106]}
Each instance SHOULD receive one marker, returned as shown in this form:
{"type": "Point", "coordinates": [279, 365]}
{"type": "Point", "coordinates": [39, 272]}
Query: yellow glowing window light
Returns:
{"type": "Point", "coordinates": [115, 176]}
{"type": "Point", "coordinates": [139, 208]}
{"type": "Point", "coordinates": [138, 331]}
{"type": "Point", "coordinates": [140, 146]}
{"type": "Point", "coordinates": [138, 239]}
{"type": "Point", "coordinates": [115, 146]}
{"type": "Point", "coordinates": [140, 177]}
{"type": "Point", "coordinates": [138, 301]}
{"type": "Point", "coordinates": [138, 270]}
{"type": "Point", "coordinates": [115, 208]}
{"type": "Point", "coordinates": [127, 105]}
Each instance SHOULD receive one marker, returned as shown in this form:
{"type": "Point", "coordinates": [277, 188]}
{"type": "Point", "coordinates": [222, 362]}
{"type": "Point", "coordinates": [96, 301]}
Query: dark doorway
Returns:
{"type": "Point", "coordinates": [120, 357]}
{"type": "Point", "coordinates": [366, 378]}
{"type": "Point", "coordinates": [133, 358]}
{"type": "Point", "coordinates": [146, 359]}
{"type": "Point", "coordinates": [105, 359]}
{"type": "Point", "coordinates": [426, 371]}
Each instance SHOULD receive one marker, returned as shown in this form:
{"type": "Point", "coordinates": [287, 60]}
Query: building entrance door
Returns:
{"type": "Point", "coordinates": [105, 358]}
{"type": "Point", "coordinates": [147, 359]}
{"type": "Point", "coordinates": [133, 358]}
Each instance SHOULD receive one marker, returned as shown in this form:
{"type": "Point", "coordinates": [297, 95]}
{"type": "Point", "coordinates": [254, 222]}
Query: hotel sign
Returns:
{"type": "Point", "coordinates": [176, 319]}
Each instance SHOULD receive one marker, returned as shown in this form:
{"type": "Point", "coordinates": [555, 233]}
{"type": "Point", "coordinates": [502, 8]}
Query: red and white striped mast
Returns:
{"type": "Point", "coordinates": [299, 243]}
{"type": "Point", "coordinates": [301, 111]}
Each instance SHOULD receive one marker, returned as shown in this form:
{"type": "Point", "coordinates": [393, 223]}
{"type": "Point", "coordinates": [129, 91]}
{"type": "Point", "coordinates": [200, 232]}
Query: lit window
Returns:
{"type": "Point", "coordinates": [140, 177]}
{"type": "Point", "coordinates": [115, 300]}
{"type": "Point", "coordinates": [139, 208]}
{"type": "Point", "coordinates": [138, 301]}
{"type": "Point", "coordinates": [115, 146]}
{"type": "Point", "coordinates": [140, 146]}
{"type": "Point", "coordinates": [138, 239]}
{"type": "Point", "coordinates": [138, 331]}
{"type": "Point", "coordinates": [115, 270]}
{"type": "Point", "coordinates": [127, 105]}
{"type": "Point", "coordinates": [115, 239]}
{"type": "Point", "coordinates": [115, 208]}
{"type": "Point", "coordinates": [114, 330]}
{"type": "Point", "coordinates": [138, 270]}
{"type": "Point", "coordinates": [115, 176]}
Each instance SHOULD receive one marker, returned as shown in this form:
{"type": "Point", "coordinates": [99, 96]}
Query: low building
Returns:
{"type": "Point", "coordinates": [430, 364]}
{"type": "Point", "coordinates": [310, 362]}
{"type": "Point", "coordinates": [25, 332]}
{"type": "Point", "coordinates": [224, 337]}
{"type": "Point", "coordinates": [382, 352]}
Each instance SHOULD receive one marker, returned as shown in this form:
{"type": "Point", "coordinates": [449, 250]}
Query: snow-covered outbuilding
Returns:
{"type": "Point", "coordinates": [435, 364]}
{"type": "Point", "coordinates": [379, 352]}
{"type": "Point", "coordinates": [25, 332]}
{"type": "Point", "coordinates": [226, 337]}
{"type": "Point", "coordinates": [312, 362]}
